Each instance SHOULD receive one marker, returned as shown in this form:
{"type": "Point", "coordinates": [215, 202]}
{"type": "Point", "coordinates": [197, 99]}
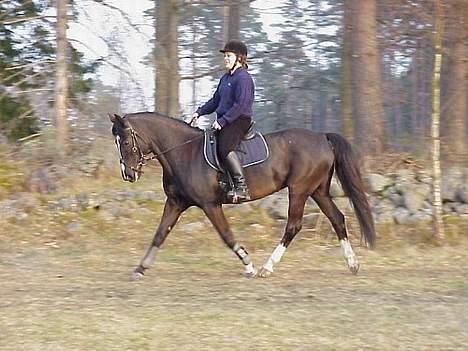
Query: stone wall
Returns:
{"type": "Point", "coordinates": [401, 197]}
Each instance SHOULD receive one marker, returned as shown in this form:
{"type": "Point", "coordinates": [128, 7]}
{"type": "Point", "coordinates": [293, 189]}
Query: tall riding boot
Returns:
{"type": "Point", "coordinates": [240, 192]}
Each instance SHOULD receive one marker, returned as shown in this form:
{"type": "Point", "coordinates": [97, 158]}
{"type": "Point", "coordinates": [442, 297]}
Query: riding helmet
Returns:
{"type": "Point", "coordinates": [235, 46]}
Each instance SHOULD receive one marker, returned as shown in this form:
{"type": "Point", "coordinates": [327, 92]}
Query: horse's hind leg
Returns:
{"type": "Point", "coordinates": [337, 219]}
{"type": "Point", "coordinates": [171, 213]}
{"type": "Point", "coordinates": [216, 215]}
{"type": "Point", "coordinates": [293, 226]}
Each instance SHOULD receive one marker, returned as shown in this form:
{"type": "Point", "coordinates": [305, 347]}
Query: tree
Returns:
{"type": "Point", "coordinates": [435, 130]}
{"type": "Point", "coordinates": [19, 69]}
{"type": "Point", "coordinates": [61, 85]}
{"type": "Point", "coordinates": [455, 108]}
{"type": "Point", "coordinates": [366, 79]}
{"type": "Point", "coordinates": [166, 56]}
{"type": "Point", "coordinates": [231, 25]}
{"type": "Point", "coordinates": [346, 71]}
{"type": "Point", "coordinates": [27, 68]}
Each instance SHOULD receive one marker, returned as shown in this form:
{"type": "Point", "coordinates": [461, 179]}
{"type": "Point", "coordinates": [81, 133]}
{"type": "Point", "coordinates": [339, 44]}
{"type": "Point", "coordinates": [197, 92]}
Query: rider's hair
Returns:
{"type": "Point", "coordinates": [243, 60]}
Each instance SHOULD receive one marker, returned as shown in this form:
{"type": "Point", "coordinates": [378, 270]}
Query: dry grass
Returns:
{"type": "Point", "coordinates": [70, 291]}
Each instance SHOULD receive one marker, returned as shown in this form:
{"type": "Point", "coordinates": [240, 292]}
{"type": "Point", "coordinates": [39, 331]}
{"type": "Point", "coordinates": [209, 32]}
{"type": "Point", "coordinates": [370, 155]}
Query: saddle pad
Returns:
{"type": "Point", "coordinates": [251, 152]}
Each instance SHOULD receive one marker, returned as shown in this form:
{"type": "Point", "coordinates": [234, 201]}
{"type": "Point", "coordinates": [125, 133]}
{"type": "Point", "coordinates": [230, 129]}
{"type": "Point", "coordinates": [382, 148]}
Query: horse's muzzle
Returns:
{"type": "Point", "coordinates": [132, 177]}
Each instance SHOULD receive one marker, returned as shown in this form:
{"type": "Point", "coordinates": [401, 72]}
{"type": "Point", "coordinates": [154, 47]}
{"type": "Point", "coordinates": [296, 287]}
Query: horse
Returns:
{"type": "Point", "coordinates": [301, 160]}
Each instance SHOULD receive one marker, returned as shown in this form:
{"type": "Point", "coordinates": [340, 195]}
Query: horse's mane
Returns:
{"type": "Point", "coordinates": [162, 116]}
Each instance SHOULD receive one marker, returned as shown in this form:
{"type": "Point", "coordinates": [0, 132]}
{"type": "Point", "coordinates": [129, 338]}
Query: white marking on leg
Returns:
{"type": "Point", "coordinates": [275, 257]}
{"type": "Point", "coordinates": [348, 253]}
{"type": "Point", "coordinates": [149, 257]}
{"type": "Point", "coordinates": [249, 268]}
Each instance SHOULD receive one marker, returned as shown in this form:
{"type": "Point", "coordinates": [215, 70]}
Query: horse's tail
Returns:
{"type": "Point", "coordinates": [347, 169]}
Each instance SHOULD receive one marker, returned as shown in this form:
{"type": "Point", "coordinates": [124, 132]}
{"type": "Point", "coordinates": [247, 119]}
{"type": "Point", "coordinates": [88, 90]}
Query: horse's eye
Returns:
{"type": "Point", "coordinates": [126, 143]}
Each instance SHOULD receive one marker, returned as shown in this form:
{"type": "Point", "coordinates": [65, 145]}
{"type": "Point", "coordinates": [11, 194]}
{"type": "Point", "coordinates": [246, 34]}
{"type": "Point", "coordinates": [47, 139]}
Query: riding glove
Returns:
{"type": "Point", "coordinates": [216, 125]}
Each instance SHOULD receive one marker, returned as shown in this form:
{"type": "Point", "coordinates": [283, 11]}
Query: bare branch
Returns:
{"type": "Point", "coordinates": [20, 19]}
{"type": "Point", "coordinates": [29, 64]}
{"type": "Point", "coordinates": [122, 13]}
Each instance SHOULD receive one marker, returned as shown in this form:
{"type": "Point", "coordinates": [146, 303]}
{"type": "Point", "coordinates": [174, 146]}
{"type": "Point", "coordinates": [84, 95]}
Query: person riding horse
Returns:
{"type": "Point", "coordinates": [232, 101]}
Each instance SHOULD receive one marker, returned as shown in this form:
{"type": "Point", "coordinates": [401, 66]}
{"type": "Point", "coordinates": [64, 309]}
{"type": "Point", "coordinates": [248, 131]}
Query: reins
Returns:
{"type": "Point", "coordinates": [145, 157]}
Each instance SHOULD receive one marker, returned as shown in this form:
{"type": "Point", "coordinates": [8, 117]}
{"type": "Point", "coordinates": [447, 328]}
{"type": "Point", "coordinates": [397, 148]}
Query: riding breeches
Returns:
{"type": "Point", "coordinates": [231, 135]}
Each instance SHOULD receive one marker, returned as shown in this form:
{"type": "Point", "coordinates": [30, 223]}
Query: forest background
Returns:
{"type": "Point", "coordinates": [390, 75]}
{"type": "Point", "coordinates": [363, 69]}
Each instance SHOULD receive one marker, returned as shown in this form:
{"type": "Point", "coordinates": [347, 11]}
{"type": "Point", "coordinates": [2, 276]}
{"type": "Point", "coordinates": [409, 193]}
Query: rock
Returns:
{"type": "Point", "coordinates": [424, 176]}
{"type": "Point", "coordinates": [396, 199]}
{"type": "Point", "coordinates": [376, 182]}
{"type": "Point", "coordinates": [461, 209]}
{"type": "Point", "coordinates": [384, 217]}
{"type": "Point", "coordinates": [420, 217]}
{"type": "Point", "coordinates": [462, 194]}
{"type": "Point", "coordinates": [448, 207]}
{"type": "Point", "coordinates": [450, 180]}
{"type": "Point", "coordinates": [384, 206]}
{"type": "Point", "coordinates": [343, 204]}
{"type": "Point", "coordinates": [275, 205]}
{"type": "Point", "coordinates": [401, 216]}
{"type": "Point", "coordinates": [448, 191]}
{"type": "Point", "coordinates": [413, 201]}
{"type": "Point", "coordinates": [335, 189]}
{"type": "Point", "coordinates": [414, 196]}
{"type": "Point", "coordinates": [311, 205]}
{"type": "Point", "coordinates": [406, 175]}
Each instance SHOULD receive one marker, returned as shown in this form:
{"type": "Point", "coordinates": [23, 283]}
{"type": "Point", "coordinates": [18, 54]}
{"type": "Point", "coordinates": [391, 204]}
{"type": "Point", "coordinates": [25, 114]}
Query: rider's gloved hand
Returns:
{"type": "Point", "coordinates": [216, 125]}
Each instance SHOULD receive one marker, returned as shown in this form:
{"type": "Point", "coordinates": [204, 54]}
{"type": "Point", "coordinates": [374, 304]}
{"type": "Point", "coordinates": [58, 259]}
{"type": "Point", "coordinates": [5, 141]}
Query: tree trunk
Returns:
{"type": "Point", "coordinates": [435, 125]}
{"type": "Point", "coordinates": [166, 57]}
{"type": "Point", "coordinates": [61, 85]}
{"type": "Point", "coordinates": [346, 72]}
{"type": "Point", "coordinates": [231, 20]}
{"type": "Point", "coordinates": [455, 102]}
{"type": "Point", "coordinates": [367, 92]}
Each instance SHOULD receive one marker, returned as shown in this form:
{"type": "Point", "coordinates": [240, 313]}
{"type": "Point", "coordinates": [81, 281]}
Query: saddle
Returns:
{"type": "Point", "coordinates": [252, 150]}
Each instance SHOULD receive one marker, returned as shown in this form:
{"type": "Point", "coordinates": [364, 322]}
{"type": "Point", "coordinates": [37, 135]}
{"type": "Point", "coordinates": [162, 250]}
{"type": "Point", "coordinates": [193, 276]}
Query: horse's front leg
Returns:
{"type": "Point", "coordinates": [216, 215]}
{"type": "Point", "coordinates": [171, 213]}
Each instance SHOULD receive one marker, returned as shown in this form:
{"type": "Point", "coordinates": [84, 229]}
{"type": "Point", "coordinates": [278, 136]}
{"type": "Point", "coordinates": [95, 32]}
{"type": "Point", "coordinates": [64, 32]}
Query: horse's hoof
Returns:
{"type": "Point", "coordinates": [249, 275]}
{"type": "Point", "coordinates": [354, 269]}
{"type": "Point", "coordinates": [136, 275]}
{"type": "Point", "coordinates": [264, 273]}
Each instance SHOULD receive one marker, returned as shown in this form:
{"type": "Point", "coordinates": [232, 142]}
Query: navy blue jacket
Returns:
{"type": "Point", "coordinates": [233, 97]}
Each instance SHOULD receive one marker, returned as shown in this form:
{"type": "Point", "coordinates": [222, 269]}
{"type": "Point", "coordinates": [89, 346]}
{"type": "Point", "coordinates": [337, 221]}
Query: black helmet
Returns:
{"type": "Point", "coordinates": [236, 47]}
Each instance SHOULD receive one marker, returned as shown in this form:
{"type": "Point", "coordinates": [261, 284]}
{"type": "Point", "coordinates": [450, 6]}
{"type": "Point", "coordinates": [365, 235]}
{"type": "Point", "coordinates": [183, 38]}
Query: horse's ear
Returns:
{"type": "Point", "coordinates": [115, 118]}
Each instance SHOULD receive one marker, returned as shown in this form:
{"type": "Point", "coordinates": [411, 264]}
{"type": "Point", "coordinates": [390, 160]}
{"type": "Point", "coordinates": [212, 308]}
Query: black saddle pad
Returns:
{"type": "Point", "coordinates": [251, 152]}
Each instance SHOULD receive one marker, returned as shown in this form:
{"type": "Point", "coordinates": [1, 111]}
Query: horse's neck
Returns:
{"type": "Point", "coordinates": [167, 134]}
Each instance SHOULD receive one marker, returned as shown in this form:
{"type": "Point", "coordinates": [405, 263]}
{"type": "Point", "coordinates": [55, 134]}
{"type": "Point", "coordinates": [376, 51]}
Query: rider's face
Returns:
{"type": "Point", "coordinates": [230, 59]}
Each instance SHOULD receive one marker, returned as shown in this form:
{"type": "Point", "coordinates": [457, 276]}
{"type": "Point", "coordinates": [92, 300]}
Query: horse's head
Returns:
{"type": "Point", "coordinates": [132, 158]}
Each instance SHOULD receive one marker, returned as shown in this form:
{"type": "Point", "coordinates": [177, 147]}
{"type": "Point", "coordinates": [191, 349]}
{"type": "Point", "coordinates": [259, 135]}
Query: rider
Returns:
{"type": "Point", "coordinates": [232, 101]}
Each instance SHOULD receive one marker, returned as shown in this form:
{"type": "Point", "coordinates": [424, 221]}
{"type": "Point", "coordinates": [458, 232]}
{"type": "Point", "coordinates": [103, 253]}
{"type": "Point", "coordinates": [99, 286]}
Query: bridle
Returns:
{"type": "Point", "coordinates": [143, 158]}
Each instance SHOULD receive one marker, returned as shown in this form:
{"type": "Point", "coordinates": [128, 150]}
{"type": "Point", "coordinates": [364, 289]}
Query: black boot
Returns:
{"type": "Point", "coordinates": [240, 192]}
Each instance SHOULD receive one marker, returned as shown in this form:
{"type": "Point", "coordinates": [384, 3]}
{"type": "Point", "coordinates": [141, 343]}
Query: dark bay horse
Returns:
{"type": "Point", "coordinates": [301, 160]}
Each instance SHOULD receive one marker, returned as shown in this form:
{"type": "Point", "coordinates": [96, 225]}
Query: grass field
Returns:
{"type": "Point", "coordinates": [71, 292]}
